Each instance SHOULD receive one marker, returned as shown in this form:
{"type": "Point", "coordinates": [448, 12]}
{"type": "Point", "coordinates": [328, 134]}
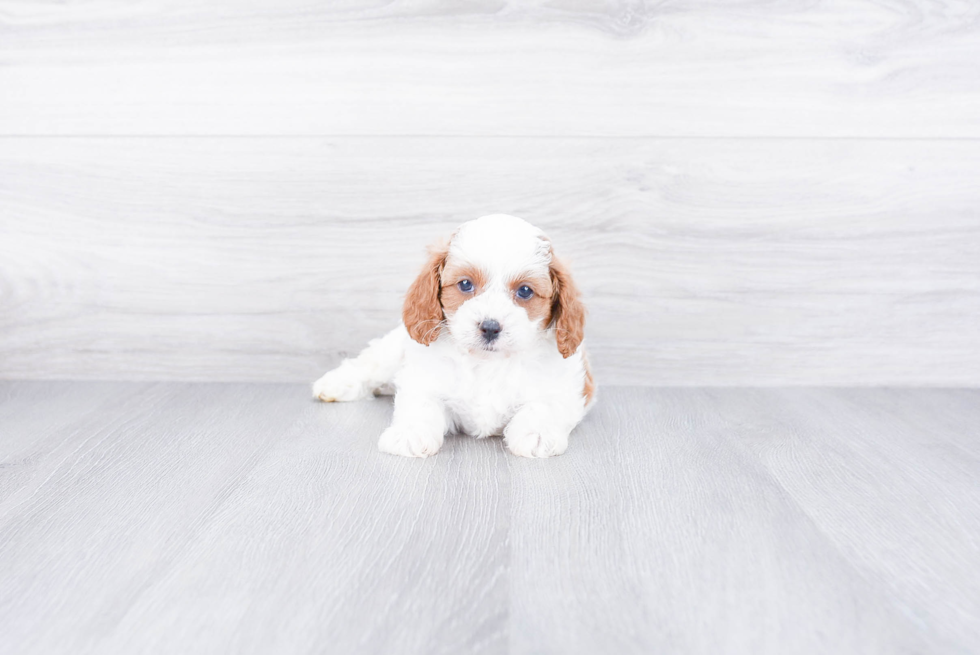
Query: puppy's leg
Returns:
{"type": "Point", "coordinates": [418, 427]}
{"type": "Point", "coordinates": [541, 429]}
{"type": "Point", "coordinates": [371, 370]}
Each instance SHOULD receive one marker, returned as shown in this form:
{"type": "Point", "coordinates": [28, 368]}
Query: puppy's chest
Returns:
{"type": "Point", "coordinates": [483, 400]}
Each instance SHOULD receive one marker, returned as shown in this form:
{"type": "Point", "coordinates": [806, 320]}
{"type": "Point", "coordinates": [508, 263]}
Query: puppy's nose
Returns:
{"type": "Point", "coordinates": [490, 329]}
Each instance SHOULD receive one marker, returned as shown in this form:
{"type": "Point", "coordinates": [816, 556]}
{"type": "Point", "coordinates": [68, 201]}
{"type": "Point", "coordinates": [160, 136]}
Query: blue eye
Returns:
{"type": "Point", "coordinates": [525, 292]}
{"type": "Point", "coordinates": [465, 286]}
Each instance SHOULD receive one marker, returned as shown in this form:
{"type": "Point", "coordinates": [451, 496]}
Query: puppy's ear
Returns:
{"type": "Point", "coordinates": [422, 311]}
{"type": "Point", "coordinates": [567, 310]}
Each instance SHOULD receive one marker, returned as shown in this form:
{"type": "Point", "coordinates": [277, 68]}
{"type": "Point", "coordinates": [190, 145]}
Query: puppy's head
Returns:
{"type": "Point", "coordinates": [497, 287]}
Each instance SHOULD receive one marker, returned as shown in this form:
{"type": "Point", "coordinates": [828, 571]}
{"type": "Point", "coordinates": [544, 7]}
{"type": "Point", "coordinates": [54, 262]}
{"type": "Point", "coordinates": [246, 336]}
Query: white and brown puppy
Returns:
{"type": "Point", "coordinates": [491, 343]}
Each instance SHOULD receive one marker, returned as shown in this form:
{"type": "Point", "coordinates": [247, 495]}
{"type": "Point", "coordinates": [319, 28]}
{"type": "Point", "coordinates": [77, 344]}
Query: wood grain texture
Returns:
{"type": "Point", "coordinates": [219, 518]}
{"type": "Point", "coordinates": [703, 261]}
{"type": "Point", "coordinates": [437, 67]}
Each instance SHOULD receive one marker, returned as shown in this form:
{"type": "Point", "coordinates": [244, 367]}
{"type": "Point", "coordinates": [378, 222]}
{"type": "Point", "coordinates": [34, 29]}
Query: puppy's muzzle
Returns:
{"type": "Point", "coordinates": [490, 329]}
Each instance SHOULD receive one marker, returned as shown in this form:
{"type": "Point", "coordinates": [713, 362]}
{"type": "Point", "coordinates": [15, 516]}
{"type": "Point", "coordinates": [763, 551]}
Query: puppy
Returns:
{"type": "Point", "coordinates": [490, 343]}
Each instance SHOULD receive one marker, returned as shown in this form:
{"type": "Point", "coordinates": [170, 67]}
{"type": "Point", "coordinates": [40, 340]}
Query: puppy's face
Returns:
{"type": "Point", "coordinates": [497, 289]}
{"type": "Point", "coordinates": [496, 286]}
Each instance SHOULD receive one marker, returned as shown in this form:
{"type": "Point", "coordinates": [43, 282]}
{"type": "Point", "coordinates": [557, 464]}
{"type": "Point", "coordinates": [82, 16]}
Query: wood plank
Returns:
{"type": "Point", "coordinates": [719, 262]}
{"type": "Point", "coordinates": [248, 518]}
{"type": "Point", "coordinates": [119, 507]}
{"type": "Point", "coordinates": [330, 544]}
{"type": "Point", "coordinates": [37, 441]}
{"type": "Point", "coordinates": [890, 483]}
{"type": "Point", "coordinates": [658, 532]}
{"type": "Point", "coordinates": [859, 69]}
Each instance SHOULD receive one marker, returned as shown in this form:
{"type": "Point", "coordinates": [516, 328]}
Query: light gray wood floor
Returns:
{"type": "Point", "coordinates": [211, 518]}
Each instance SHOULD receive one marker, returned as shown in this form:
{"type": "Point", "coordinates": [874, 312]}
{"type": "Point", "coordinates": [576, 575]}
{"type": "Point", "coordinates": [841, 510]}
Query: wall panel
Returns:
{"type": "Point", "coordinates": [704, 261]}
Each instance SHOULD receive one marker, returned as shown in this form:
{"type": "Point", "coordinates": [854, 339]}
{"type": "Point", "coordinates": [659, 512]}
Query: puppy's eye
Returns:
{"type": "Point", "coordinates": [465, 286]}
{"type": "Point", "coordinates": [525, 292]}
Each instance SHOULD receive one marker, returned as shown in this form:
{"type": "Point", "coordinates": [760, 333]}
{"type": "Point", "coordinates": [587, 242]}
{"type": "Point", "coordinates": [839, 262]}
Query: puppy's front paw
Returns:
{"type": "Point", "coordinates": [341, 385]}
{"type": "Point", "coordinates": [409, 442]}
{"type": "Point", "coordinates": [526, 437]}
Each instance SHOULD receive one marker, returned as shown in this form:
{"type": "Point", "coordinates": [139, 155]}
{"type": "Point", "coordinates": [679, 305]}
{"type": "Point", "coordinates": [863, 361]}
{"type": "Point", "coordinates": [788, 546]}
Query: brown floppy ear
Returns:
{"type": "Point", "coordinates": [422, 311]}
{"type": "Point", "coordinates": [567, 310]}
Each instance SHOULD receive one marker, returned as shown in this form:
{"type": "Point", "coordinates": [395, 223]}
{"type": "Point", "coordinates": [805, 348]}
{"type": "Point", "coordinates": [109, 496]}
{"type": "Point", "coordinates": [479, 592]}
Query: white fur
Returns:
{"type": "Point", "coordinates": [522, 388]}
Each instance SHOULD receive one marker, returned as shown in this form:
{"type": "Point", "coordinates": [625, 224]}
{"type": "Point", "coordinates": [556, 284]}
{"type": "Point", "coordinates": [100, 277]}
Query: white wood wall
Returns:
{"type": "Point", "coordinates": [749, 192]}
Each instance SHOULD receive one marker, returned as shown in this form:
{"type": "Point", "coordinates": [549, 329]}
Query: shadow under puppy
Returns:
{"type": "Point", "coordinates": [491, 343]}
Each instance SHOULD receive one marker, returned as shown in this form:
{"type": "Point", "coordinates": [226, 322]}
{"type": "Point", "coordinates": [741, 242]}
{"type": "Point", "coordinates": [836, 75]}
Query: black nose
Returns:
{"type": "Point", "coordinates": [490, 329]}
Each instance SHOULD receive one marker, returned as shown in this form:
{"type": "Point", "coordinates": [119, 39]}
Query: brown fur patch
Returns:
{"type": "Point", "coordinates": [538, 306]}
{"type": "Point", "coordinates": [567, 310]}
{"type": "Point", "coordinates": [588, 389]}
{"type": "Point", "coordinates": [452, 297]}
{"type": "Point", "coordinates": [422, 311]}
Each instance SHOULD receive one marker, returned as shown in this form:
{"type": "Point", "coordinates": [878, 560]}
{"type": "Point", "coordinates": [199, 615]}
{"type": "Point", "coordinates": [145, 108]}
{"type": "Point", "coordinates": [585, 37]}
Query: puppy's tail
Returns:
{"type": "Point", "coordinates": [371, 372]}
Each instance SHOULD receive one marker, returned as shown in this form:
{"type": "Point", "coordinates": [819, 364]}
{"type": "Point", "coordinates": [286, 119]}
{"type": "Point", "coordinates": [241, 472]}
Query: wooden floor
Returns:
{"type": "Point", "coordinates": [213, 518]}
